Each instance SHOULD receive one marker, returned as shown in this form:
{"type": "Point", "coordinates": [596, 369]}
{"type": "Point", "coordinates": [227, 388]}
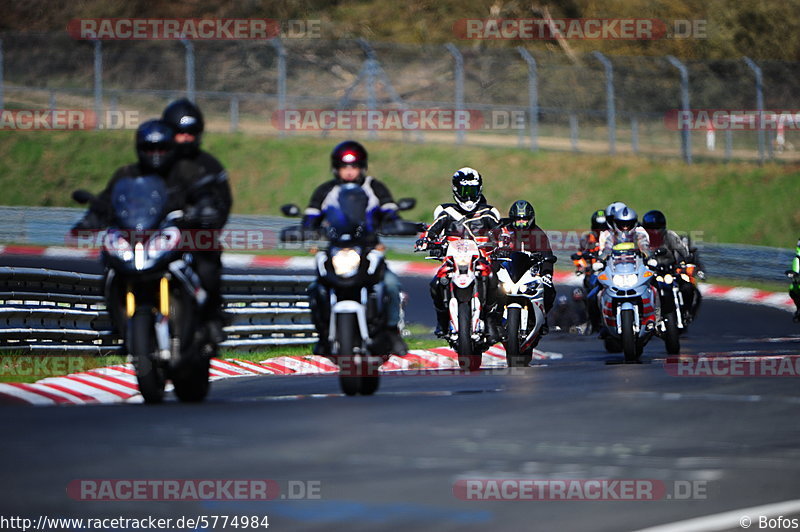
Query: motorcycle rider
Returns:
{"type": "Point", "coordinates": [521, 233]}
{"type": "Point", "coordinates": [626, 229]}
{"type": "Point", "coordinates": [584, 259]}
{"type": "Point", "coordinates": [794, 275]}
{"type": "Point", "coordinates": [674, 251]}
{"type": "Point", "coordinates": [349, 165]}
{"type": "Point", "coordinates": [213, 204]}
{"type": "Point", "coordinates": [469, 215]}
{"type": "Point", "coordinates": [189, 190]}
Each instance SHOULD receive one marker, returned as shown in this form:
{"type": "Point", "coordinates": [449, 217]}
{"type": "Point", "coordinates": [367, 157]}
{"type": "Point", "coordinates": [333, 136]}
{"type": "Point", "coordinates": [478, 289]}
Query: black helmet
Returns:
{"type": "Point", "coordinates": [522, 215]}
{"type": "Point", "coordinates": [185, 117]}
{"type": "Point", "coordinates": [467, 188]}
{"type": "Point", "coordinates": [349, 153]}
{"type": "Point", "coordinates": [654, 220]}
{"type": "Point", "coordinates": [599, 220]}
{"type": "Point", "coordinates": [155, 146]}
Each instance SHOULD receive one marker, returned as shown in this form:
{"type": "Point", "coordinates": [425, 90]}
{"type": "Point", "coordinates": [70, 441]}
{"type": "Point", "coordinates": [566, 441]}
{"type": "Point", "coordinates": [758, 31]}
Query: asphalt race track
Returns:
{"type": "Point", "coordinates": [391, 461]}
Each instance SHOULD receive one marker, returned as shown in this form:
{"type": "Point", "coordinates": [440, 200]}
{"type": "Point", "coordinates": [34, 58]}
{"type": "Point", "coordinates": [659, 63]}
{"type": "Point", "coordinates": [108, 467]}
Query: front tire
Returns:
{"type": "Point", "coordinates": [466, 357]}
{"type": "Point", "coordinates": [354, 378]}
{"type": "Point", "coordinates": [672, 340]}
{"type": "Point", "coordinates": [629, 347]}
{"type": "Point", "coordinates": [149, 372]}
{"type": "Point", "coordinates": [514, 357]}
{"type": "Point", "coordinates": [191, 382]}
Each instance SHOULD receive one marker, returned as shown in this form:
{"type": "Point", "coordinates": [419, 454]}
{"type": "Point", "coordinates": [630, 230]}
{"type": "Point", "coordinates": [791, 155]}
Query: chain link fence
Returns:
{"type": "Point", "coordinates": [594, 103]}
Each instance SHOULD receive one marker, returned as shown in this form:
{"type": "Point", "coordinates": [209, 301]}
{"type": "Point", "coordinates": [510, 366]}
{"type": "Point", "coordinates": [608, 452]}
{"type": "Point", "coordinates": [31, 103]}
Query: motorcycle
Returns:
{"type": "Point", "coordinates": [152, 292]}
{"type": "Point", "coordinates": [522, 292]}
{"type": "Point", "coordinates": [673, 310]}
{"type": "Point", "coordinates": [628, 301]}
{"type": "Point", "coordinates": [352, 269]}
{"type": "Point", "coordinates": [584, 262]}
{"type": "Point", "coordinates": [465, 262]}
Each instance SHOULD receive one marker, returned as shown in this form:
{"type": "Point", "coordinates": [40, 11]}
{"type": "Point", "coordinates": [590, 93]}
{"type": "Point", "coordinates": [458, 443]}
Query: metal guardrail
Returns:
{"type": "Point", "coordinates": [46, 311]}
{"type": "Point", "coordinates": [48, 226]}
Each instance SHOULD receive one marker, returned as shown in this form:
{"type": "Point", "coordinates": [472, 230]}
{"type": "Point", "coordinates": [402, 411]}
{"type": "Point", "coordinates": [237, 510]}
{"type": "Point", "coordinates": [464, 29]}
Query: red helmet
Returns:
{"type": "Point", "coordinates": [349, 153]}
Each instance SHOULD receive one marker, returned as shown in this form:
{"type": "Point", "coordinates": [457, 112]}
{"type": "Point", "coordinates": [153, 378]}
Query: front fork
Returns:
{"type": "Point", "coordinates": [161, 318]}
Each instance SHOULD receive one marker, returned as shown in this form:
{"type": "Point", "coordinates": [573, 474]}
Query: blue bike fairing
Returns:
{"type": "Point", "coordinates": [349, 218]}
{"type": "Point", "coordinates": [138, 203]}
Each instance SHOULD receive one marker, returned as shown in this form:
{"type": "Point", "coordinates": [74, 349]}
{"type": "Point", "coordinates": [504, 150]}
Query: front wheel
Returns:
{"type": "Point", "coordinates": [514, 357]}
{"type": "Point", "coordinates": [142, 347]}
{"type": "Point", "coordinates": [354, 377]}
{"type": "Point", "coordinates": [466, 356]}
{"type": "Point", "coordinates": [629, 347]}
{"type": "Point", "coordinates": [672, 335]}
{"type": "Point", "coordinates": [191, 381]}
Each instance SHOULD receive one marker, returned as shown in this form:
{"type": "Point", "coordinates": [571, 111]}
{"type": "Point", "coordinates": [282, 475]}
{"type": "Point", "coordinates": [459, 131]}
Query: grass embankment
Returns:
{"type": "Point", "coordinates": [733, 202]}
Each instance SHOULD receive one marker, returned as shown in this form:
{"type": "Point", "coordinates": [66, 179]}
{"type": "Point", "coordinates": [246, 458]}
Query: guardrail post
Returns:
{"type": "Point", "coordinates": [686, 138]}
{"type": "Point", "coordinates": [459, 79]}
{"type": "Point", "coordinates": [759, 105]}
{"type": "Point", "coordinates": [611, 116]}
{"type": "Point", "coordinates": [533, 96]}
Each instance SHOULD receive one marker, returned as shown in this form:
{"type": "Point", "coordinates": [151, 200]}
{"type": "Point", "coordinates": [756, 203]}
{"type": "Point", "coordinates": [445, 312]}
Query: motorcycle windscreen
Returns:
{"type": "Point", "coordinates": [519, 264]}
{"type": "Point", "coordinates": [349, 219]}
{"type": "Point", "coordinates": [138, 203]}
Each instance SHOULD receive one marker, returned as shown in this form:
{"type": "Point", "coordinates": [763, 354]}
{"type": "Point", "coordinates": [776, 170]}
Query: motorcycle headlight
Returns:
{"type": "Point", "coordinates": [627, 280]}
{"type": "Point", "coordinates": [345, 262]}
{"type": "Point", "coordinates": [507, 287]}
{"type": "Point", "coordinates": [685, 278]}
{"type": "Point", "coordinates": [162, 242]}
{"type": "Point", "coordinates": [117, 244]}
{"type": "Point", "coordinates": [668, 279]}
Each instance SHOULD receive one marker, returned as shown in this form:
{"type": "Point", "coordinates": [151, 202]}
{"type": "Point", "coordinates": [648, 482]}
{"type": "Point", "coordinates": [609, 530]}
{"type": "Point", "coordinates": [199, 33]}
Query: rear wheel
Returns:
{"type": "Point", "coordinates": [466, 356]}
{"type": "Point", "coordinates": [672, 335]}
{"type": "Point", "coordinates": [514, 357]}
{"type": "Point", "coordinates": [149, 372]}
{"type": "Point", "coordinates": [629, 347]}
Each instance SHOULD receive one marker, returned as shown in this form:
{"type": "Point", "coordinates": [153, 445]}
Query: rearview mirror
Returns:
{"type": "Point", "coordinates": [406, 204]}
{"type": "Point", "coordinates": [291, 210]}
{"type": "Point", "coordinates": [82, 196]}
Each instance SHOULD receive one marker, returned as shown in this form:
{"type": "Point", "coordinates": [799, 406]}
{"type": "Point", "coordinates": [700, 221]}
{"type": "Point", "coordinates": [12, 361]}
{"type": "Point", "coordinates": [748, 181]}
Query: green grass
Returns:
{"type": "Point", "coordinates": [735, 202]}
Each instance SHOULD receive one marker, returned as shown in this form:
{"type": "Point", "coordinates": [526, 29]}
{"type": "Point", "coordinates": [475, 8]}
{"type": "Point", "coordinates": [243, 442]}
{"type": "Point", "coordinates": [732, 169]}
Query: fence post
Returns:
{"type": "Point", "coordinates": [635, 135]}
{"type": "Point", "coordinates": [281, 51]}
{"type": "Point", "coordinates": [728, 144]}
{"type": "Point", "coordinates": [189, 68]}
{"type": "Point", "coordinates": [459, 78]}
{"type": "Point", "coordinates": [370, 71]}
{"type": "Point", "coordinates": [611, 117]}
{"type": "Point", "coordinates": [686, 139]}
{"type": "Point", "coordinates": [759, 105]}
{"type": "Point", "coordinates": [533, 96]}
{"type": "Point", "coordinates": [2, 81]}
{"type": "Point", "coordinates": [573, 131]}
{"type": "Point", "coordinates": [98, 83]}
{"type": "Point", "coordinates": [234, 114]}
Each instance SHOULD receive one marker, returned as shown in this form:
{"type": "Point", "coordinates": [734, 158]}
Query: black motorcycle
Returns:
{"type": "Point", "coordinates": [351, 271]}
{"type": "Point", "coordinates": [152, 292]}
